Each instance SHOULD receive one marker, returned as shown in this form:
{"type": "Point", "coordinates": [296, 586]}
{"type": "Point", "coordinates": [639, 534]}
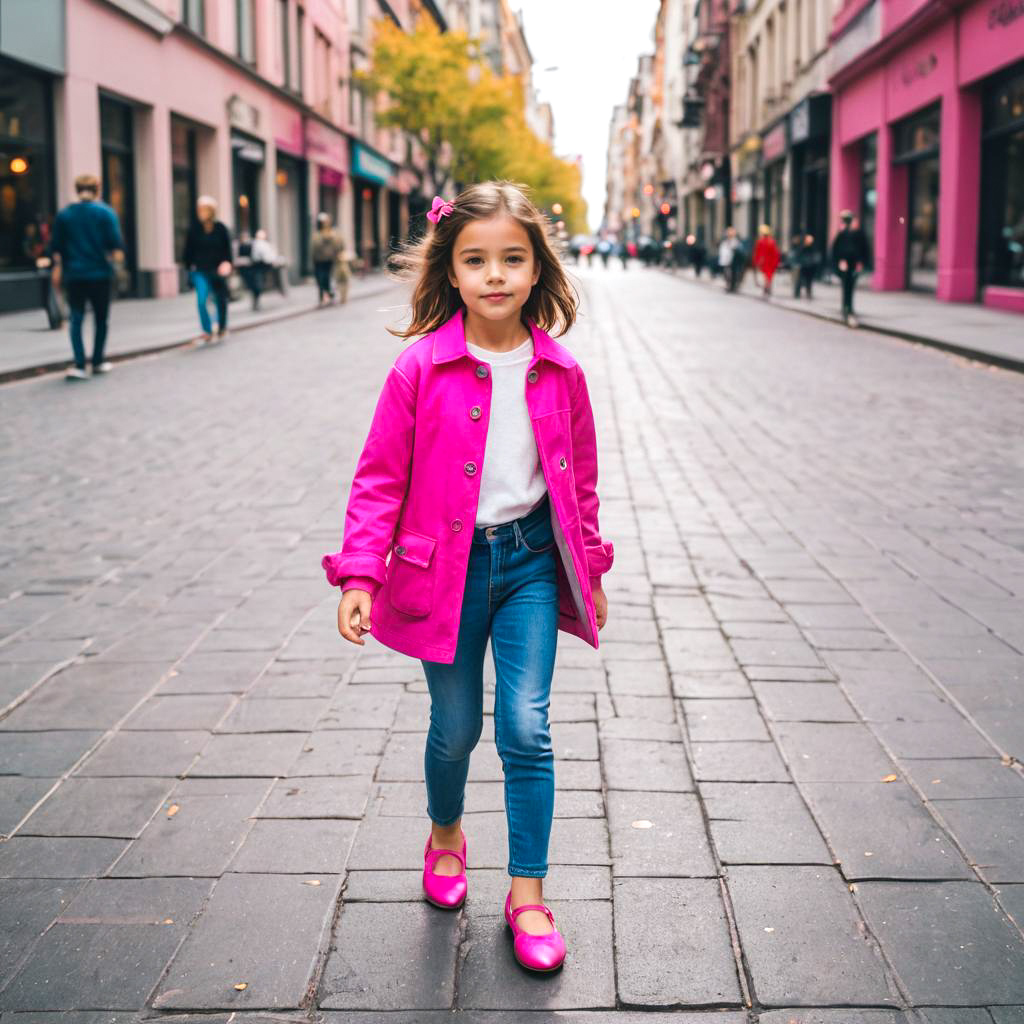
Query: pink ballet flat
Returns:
{"type": "Point", "coordinates": [445, 891]}
{"type": "Point", "coordinates": [535, 952]}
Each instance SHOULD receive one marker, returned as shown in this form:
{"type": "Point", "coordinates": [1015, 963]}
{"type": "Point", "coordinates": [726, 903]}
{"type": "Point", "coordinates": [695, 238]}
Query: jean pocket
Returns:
{"type": "Point", "coordinates": [538, 539]}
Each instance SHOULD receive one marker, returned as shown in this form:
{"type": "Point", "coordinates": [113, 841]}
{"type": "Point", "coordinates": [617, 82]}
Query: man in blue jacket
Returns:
{"type": "Point", "coordinates": [86, 237]}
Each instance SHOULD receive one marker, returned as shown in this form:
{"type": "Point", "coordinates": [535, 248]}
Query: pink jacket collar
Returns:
{"type": "Point", "coordinates": [450, 343]}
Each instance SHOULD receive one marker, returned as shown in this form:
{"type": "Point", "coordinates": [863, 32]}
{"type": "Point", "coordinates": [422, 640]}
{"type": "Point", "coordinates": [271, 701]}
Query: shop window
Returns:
{"type": "Point", "coordinates": [1002, 193]}
{"type": "Point", "coordinates": [26, 174]}
{"type": "Point", "coordinates": [917, 136]}
{"type": "Point", "coordinates": [183, 180]}
{"type": "Point", "coordinates": [869, 187]}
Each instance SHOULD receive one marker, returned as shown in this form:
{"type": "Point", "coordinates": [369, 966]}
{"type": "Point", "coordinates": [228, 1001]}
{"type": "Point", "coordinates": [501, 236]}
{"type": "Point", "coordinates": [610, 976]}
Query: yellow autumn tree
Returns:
{"type": "Point", "coordinates": [470, 122]}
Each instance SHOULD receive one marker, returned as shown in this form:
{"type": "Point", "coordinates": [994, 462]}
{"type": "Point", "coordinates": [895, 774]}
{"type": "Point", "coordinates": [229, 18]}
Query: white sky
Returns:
{"type": "Point", "coordinates": [595, 45]}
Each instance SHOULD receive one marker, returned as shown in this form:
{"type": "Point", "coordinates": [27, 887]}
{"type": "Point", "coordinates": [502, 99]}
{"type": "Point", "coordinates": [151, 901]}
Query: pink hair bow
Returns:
{"type": "Point", "coordinates": [440, 209]}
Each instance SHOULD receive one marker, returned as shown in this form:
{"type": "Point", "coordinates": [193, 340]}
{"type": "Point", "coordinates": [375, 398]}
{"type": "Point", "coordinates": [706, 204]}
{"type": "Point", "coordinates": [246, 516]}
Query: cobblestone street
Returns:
{"type": "Point", "coordinates": [789, 782]}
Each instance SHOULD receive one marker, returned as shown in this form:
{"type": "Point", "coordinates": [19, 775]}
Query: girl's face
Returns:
{"type": "Point", "coordinates": [493, 267]}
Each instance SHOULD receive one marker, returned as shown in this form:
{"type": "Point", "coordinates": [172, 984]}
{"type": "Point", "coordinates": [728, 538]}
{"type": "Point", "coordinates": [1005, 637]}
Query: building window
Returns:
{"type": "Point", "coordinates": [245, 31]}
{"type": "Point", "coordinates": [183, 180]}
{"type": "Point", "coordinates": [284, 34]}
{"type": "Point", "coordinates": [26, 168]}
{"type": "Point", "coordinates": [300, 46]}
{"type": "Point", "coordinates": [193, 14]}
{"type": "Point", "coordinates": [117, 145]}
{"type": "Point", "coordinates": [1002, 193]}
{"type": "Point", "coordinates": [321, 73]}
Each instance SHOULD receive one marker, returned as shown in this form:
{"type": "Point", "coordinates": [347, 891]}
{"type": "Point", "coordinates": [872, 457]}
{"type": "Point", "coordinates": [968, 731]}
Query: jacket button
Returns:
{"type": "Point", "coordinates": [474, 413]}
{"type": "Point", "coordinates": [562, 464]}
{"type": "Point", "coordinates": [532, 376]}
{"type": "Point", "coordinates": [481, 371]}
{"type": "Point", "coordinates": [456, 525]}
{"type": "Point", "coordinates": [470, 468]}
{"type": "Point", "coordinates": [400, 549]}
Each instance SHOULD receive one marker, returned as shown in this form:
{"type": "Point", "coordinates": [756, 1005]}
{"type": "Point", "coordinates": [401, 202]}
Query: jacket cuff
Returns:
{"type": "Point", "coordinates": [339, 567]}
{"type": "Point", "coordinates": [600, 558]}
{"type": "Point", "coordinates": [371, 586]}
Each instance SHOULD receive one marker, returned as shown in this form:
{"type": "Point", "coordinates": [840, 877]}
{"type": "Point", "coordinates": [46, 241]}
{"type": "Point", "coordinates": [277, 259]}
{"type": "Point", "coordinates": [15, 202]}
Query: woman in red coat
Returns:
{"type": "Point", "coordinates": [766, 257]}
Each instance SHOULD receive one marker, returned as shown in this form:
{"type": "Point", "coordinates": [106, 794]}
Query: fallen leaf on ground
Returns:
{"type": "Point", "coordinates": [242, 986]}
{"type": "Point", "coordinates": [173, 810]}
{"type": "Point", "coordinates": [643, 823]}
{"type": "Point", "coordinates": [312, 881]}
{"type": "Point", "coordinates": [891, 778]}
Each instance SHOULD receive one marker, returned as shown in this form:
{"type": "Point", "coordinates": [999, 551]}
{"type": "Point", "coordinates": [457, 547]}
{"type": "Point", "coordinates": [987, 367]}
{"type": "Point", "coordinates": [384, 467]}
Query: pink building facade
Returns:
{"type": "Point", "coordinates": [928, 143]}
{"type": "Point", "coordinates": [249, 101]}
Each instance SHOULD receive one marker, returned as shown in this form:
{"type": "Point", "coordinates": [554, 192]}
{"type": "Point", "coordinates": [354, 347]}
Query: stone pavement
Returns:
{"type": "Point", "coordinates": [150, 325]}
{"type": "Point", "coordinates": [789, 786]}
{"type": "Point", "coordinates": [965, 328]}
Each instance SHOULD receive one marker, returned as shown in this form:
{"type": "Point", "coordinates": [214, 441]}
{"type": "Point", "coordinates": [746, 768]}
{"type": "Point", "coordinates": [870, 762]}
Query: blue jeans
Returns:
{"type": "Point", "coordinates": [204, 284]}
{"type": "Point", "coordinates": [511, 598]}
{"type": "Point", "coordinates": [97, 293]}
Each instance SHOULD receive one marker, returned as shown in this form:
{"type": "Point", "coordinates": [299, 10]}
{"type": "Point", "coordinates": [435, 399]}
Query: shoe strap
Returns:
{"type": "Point", "coordinates": [534, 906]}
{"type": "Point", "coordinates": [433, 855]}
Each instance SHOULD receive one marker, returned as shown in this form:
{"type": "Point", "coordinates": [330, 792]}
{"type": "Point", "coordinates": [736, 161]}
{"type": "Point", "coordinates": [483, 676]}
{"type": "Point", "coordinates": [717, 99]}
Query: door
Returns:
{"type": "Point", "coordinates": [118, 179]}
{"type": "Point", "coordinates": [923, 224]}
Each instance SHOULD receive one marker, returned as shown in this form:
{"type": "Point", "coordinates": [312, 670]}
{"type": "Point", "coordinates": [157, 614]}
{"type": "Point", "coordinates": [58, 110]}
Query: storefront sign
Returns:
{"type": "Point", "coordinates": [243, 115]}
{"type": "Point", "coordinates": [1006, 13]}
{"type": "Point", "coordinates": [773, 143]}
{"type": "Point", "coordinates": [325, 146]}
{"type": "Point", "coordinates": [330, 177]}
{"type": "Point", "coordinates": [368, 164]}
{"type": "Point", "coordinates": [249, 150]}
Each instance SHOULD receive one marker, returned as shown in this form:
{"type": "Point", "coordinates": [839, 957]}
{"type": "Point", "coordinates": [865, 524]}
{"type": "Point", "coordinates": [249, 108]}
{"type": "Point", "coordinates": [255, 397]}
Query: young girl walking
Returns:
{"type": "Point", "coordinates": [479, 478]}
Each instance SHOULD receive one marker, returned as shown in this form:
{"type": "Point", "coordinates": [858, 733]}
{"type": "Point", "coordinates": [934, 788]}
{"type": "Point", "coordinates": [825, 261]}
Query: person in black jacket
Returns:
{"type": "Point", "coordinates": [849, 256]}
{"type": "Point", "coordinates": [207, 257]}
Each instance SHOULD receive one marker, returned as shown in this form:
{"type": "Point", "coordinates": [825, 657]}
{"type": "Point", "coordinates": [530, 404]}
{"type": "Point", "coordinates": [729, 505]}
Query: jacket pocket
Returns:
{"type": "Point", "coordinates": [411, 573]}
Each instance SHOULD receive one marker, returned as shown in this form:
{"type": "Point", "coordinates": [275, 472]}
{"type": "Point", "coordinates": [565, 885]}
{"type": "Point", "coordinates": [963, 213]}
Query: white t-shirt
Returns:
{"type": "Point", "coordinates": [512, 481]}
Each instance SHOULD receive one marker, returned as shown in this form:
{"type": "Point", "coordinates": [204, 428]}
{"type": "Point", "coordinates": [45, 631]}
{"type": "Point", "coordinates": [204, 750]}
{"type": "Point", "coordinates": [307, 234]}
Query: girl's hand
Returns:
{"type": "Point", "coordinates": [354, 615]}
{"type": "Point", "coordinates": [224, 268]}
{"type": "Point", "coordinates": [600, 605]}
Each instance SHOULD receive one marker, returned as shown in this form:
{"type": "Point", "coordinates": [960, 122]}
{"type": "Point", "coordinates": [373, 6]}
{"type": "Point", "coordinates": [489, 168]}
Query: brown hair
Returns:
{"type": "Point", "coordinates": [553, 300]}
{"type": "Point", "coordinates": [87, 183]}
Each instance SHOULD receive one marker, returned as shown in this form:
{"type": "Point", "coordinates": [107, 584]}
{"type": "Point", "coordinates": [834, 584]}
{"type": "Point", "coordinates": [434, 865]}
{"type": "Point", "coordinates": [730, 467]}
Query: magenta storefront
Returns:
{"type": "Point", "coordinates": [928, 143]}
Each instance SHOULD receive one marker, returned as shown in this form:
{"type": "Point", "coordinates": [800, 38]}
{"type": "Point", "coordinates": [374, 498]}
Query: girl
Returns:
{"type": "Point", "coordinates": [479, 477]}
{"type": "Point", "coordinates": [766, 257]}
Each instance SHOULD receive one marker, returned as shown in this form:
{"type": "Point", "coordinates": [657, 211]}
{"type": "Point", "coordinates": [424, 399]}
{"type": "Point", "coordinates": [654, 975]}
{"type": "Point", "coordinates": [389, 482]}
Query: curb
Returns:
{"type": "Point", "coordinates": [965, 352]}
{"type": "Point", "coordinates": [41, 369]}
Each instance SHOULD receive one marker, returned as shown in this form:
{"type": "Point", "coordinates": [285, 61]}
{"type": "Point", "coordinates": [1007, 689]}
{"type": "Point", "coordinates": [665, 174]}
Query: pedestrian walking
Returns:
{"type": "Point", "coordinates": [730, 259]}
{"type": "Point", "coordinates": [766, 257]}
{"type": "Point", "coordinates": [207, 257]}
{"type": "Point", "coordinates": [849, 255]}
{"type": "Point", "coordinates": [326, 244]}
{"type": "Point", "coordinates": [696, 253]}
{"type": "Point", "coordinates": [479, 478]}
{"type": "Point", "coordinates": [86, 238]}
{"type": "Point", "coordinates": [343, 274]}
{"type": "Point", "coordinates": [810, 260]}
{"type": "Point", "coordinates": [623, 251]}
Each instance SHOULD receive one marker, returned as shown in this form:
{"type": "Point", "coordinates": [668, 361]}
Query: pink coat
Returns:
{"type": "Point", "coordinates": [417, 484]}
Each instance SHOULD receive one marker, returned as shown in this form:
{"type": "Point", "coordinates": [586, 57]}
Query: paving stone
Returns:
{"type": "Point", "coordinates": [645, 765]}
{"type": "Point", "coordinates": [115, 808]}
{"type": "Point", "coordinates": [201, 837]}
{"type": "Point", "coordinates": [43, 754]}
{"type": "Point", "coordinates": [110, 945]}
{"type": "Point", "coordinates": [574, 741]}
{"type": "Point", "coordinates": [238, 667]}
{"type": "Point", "coordinates": [337, 752]}
{"type": "Point", "coordinates": [745, 629]}
{"type": "Point", "coordinates": [365, 708]}
{"type": "Point", "coordinates": [1012, 897]}
{"type": "Point", "coordinates": [697, 650]}
{"type": "Point", "coordinates": [949, 943]}
{"type": "Point", "coordinates": [882, 830]}
{"type": "Point", "coordinates": [820, 752]}
{"type": "Point", "coordinates": [57, 857]}
{"type": "Point", "coordinates": [524, 1017]}
{"type": "Point", "coordinates": [672, 944]}
{"type": "Point", "coordinates": [714, 720]}
{"type": "Point", "coordinates": [18, 796]}
{"type": "Point", "coordinates": [633, 679]}
{"type": "Point", "coordinates": [710, 684]}
{"type": "Point", "coordinates": [804, 702]}
{"type": "Point", "coordinates": [788, 674]}
{"type": "Point", "coordinates": [318, 797]}
{"type": "Point", "coordinates": [489, 886]}
{"type": "Point", "coordinates": [299, 684]}
{"type": "Point", "coordinates": [801, 1016]}
{"type": "Point", "coordinates": [640, 729]}
{"type": "Point", "coordinates": [577, 775]}
{"type": "Point", "coordinates": [801, 937]}
{"type": "Point", "coordinates": [674, 844]}
{"type": "Point", "coordinates": [178, 712]}
{"type": "Point", "coordinates": [161, 753]}
{"type": "Point", "coordinates": [992, 833]}
{"type": "Point", "coordinates": [28, 906]}
{"type": "Point", "coordinates": [569, 707]}
{"type": "Point", "coordinates": [93, 706]}
{"type": "Point", "coordinates": [256, 755]}
{"type": "Point", "coordinates": [490, 977]}
{"type": "Point", "coordinates": [1007, 1014]}
{"type": "Point", "coordinates": [258, 714]}
{"type": "Point", "coordinates": [960, 1015]}
{"type": "Point", "coordinates": [390, 956]}
{"type": "Point", "coordinates": [933, 739]}
{"type": "Point", "coordinates": [287, 846]}
{"type": "Point", "coordinates": [762, 823]}
{"type": "Point", "coordinates": [738, 762]}
{"type": "Point", "coordinates": [291, 919]}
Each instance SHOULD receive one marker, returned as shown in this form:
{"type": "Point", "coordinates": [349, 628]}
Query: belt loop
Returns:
{"type": "Point", "coordinates": [517, 531]}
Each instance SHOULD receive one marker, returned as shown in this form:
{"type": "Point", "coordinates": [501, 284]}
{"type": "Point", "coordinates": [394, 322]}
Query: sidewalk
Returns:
{"type": "Point", "coordinates": [148, 325]}
{"type": "Point", "coordinates": [968, 329]}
